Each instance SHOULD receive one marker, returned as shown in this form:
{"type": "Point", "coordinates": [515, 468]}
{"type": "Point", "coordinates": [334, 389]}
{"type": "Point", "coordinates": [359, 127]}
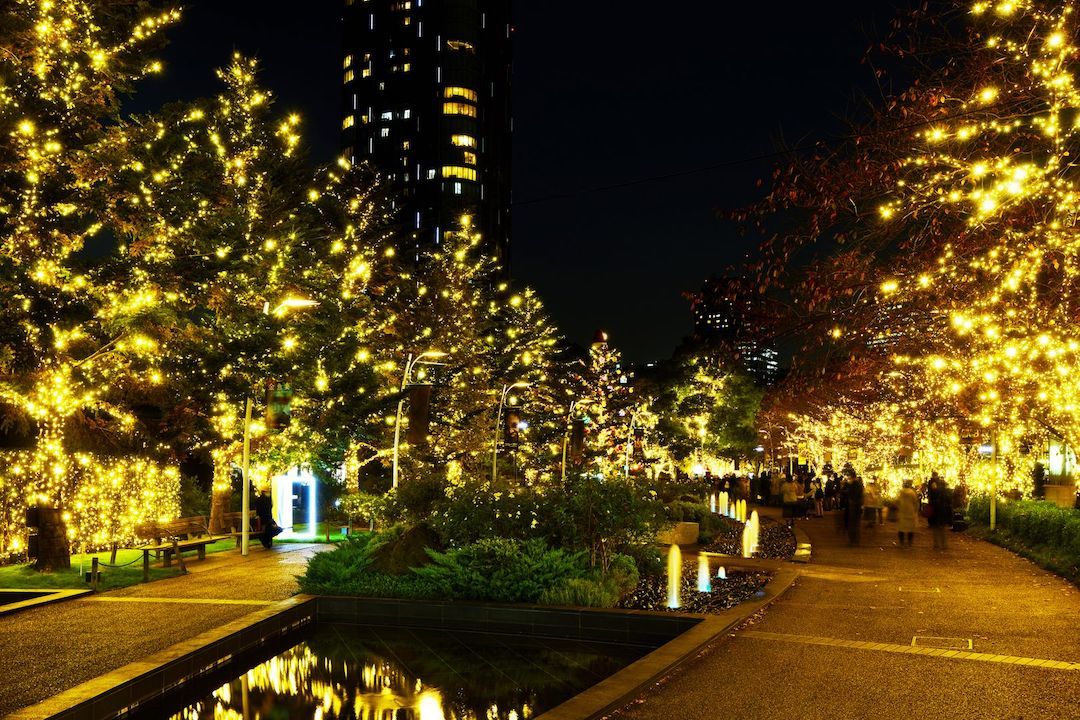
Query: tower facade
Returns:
{"type": "Point", "coordinates": [426, 90]}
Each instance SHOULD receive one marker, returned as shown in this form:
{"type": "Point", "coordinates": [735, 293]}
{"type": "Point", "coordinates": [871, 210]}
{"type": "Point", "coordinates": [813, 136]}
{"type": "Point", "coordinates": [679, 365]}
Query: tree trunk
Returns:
{"type": "Point", "coordinates": [52, 551]}
{"type": "Point", "coordinates": [221, 490]}
{"type": "Point", "coordinates": [52, 541]}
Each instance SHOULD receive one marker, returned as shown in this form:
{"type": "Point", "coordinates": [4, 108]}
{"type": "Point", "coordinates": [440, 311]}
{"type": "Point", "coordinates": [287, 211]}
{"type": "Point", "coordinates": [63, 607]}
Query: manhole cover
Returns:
{"type": "Point", "coordinates": [942, 643]}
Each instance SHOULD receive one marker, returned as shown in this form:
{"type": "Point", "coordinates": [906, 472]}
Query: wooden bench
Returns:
{"type": "Point", "coordinates": [173, 538]}
{"type": "Point", "coordinates": [233, 521]}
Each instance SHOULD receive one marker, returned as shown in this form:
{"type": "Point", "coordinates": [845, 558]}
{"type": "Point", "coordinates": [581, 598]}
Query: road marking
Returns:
{"type": "Point", "coordinates": [920, 590]}
{"type": "Point", "coordinates": [179, 601]}
{"type": "Point", "coordinates": [911, 650]}
{"type": "Point", "coordinates": [943, 643]}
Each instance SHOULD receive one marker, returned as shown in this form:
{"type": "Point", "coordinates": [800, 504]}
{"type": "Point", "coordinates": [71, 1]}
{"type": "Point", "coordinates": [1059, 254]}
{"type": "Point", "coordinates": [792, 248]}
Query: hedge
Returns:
{"type": "Point", "coordinates": [1038, 530]}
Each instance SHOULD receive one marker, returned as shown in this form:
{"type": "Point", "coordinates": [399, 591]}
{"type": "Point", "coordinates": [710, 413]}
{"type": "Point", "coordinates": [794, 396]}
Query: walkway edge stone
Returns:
{"type": "Point", "coordinates": [621, 688]}
{"type": "Point", "coordinates": [803, 548]}
{"type": "Point", "coordinates": [53, 596]}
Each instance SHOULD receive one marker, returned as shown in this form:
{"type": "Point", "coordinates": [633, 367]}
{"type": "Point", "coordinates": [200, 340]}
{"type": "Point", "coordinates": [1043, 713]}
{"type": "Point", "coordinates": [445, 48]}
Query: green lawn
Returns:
{"type": "Point", "coordinates": [130, 572]}
{"type": "Point", "coordinates": [320, 537]}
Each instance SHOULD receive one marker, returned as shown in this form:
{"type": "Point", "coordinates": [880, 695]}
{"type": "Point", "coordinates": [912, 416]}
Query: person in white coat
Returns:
{"type": "Point", "coordinates": [907, 514]}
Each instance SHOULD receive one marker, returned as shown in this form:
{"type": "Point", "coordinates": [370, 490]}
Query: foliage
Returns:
{"type": "Point", "coordinates": [602, 516]}
{"type": "Point", "coordinates": [602, 589]}
{"type": "Point", "coordinates": [1040, 530]}
{"type": "Point", "coordinates": [500, 570]}
{"type": "Point", "coordinates": [706, 410]}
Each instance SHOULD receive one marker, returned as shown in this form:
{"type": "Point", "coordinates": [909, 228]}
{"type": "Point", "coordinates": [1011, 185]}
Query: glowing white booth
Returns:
{"type": "Point", "coordinates": [295, 499]}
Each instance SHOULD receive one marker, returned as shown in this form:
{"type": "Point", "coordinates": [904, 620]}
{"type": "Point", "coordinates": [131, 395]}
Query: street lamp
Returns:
{"type": "Point", "coordinates": [410, 363]}
{"type": "Point", "coordinates": [566, 437]}
{"type": "Point", "coordinates": [629, 444]}
{"type": "Point", "coordinates": [498, 426]}
{"type": "Point", "coordinates": [289, 303]}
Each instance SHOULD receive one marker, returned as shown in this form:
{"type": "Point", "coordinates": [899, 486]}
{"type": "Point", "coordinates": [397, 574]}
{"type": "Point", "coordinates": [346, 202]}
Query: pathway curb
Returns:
{"type": "Point", "coordinates": [620, 689]}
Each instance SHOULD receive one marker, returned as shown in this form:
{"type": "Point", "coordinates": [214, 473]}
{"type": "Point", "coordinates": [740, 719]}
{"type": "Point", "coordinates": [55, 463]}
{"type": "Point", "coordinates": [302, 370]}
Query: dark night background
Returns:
{"type": "Point", "coordinates": [605, 94]}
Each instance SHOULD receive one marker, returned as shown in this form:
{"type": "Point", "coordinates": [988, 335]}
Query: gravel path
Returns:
{"type": "Point", "coordinates": [878, 593]}
{"type": "Point", "coordinates": [52, 648]}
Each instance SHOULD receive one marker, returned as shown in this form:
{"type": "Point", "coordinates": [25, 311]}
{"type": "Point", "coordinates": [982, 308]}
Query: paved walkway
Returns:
{"type": "Point", "coordinates": [52, 648]}
{"type": "Point", "coordinates": [995, 637]}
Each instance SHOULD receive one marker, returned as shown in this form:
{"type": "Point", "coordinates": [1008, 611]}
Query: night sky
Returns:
{"type": "Point", "coordinates": [605, 94]}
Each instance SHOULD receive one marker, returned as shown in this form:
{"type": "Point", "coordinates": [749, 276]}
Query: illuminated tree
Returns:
{"type": "Point", "coordinates": [70, 338]}
{"type": "Point", "coordinates": [706, 412]}
{"type": "Point", "coordinates": [955, 302]}
{"type": "Point", "coordinates": [223, 234]}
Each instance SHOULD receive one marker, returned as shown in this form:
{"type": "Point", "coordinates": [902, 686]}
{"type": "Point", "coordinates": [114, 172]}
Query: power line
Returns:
{"type": "Point", "coordinates": [756, 158]}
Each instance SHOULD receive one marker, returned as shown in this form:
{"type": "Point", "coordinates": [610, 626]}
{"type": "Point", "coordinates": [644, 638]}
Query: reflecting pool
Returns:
{"type": "Point", "coordinates": [360, 673]}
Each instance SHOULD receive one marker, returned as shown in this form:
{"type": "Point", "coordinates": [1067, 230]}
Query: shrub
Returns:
{"type": "Point", "coordinates": [602, 516]}
{"type": "Point", "coordinates": [500, 570]}
{"type": "Point", "coordinates": [603, 589]}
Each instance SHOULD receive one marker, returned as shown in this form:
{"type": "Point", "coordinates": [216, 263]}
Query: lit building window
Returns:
{"type": "Point", "coordinates": [349, 76]}
{"type": "Point", "coordinates": [388, 115]}
{"type": "Point", "coordinates": [460, 45]}
{"type": "Point", "coordinates": [348, 61]}
{"type": "Point", "coordinates": [407, 20]}
{"type": "Point", "coordinates": [457, 171]}
{"type": "Point", "coordinates": [406, 113]}
{"type": "Point", "coordinates": [384, 132]}
{"type": "Point", "coordinates": [459, 92]}
{"type": "Point", "coordinates": [347, 122]}
{"type": "Point", "coordinates": [431, 174]}
{"type": "Point", "coordinates": [366, 72]}
{"type": "Point", "coordinates": [406, 67]}
{"type": "Point", "coordinates": [463, 141]}
{"type": "Point", "coordinates": [405, 144]}
{"type": "Point", "coordinates": [457, 188]}
{"type": "Point", "coordinates": [459, 108]}
{"type": "Point", "coordinates": [470, 158]}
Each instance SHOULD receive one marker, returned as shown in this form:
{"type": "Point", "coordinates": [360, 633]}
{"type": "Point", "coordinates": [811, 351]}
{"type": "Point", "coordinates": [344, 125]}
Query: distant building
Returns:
{"type": "Point", "coordinates": [724, 319]}
{"type": "Point", "coordinates": [426, 89]}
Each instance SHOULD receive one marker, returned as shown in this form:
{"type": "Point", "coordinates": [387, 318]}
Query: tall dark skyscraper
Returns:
{"type": "Point", "coordinates": [724, 319]}
{"type": "Point", "coordinates": [426, 88]}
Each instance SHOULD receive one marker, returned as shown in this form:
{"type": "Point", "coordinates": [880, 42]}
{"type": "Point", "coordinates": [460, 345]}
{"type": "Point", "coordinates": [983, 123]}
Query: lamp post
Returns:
{"type": "Point", "coordinates": [507, 387]}
{"type": "Point", "coordinates": [410, 363]}
{"type": "Point", "coordinates": [629, 445]}
{"type": "Point", "coordinates": [289, 303]}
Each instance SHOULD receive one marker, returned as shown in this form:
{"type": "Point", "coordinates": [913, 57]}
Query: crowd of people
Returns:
{"type": "Point", "coordinates": [860, 505]}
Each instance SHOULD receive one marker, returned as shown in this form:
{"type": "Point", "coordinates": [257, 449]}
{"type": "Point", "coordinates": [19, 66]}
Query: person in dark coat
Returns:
{"type": "Point", "coordinates": [939, 498]}
{"type": "Point", "coordinates": [264, 510]}
{"type": "Point", "coordinates": [854, 496]}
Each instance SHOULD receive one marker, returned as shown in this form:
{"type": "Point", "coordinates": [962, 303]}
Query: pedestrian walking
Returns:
{"type": "Point", "coordinates": [854, 497]}
{"type": "Point", "coordinates": [789, 495]}
{"type": "Point", "coordinates": [939, 500]}
{"type": "Point", "coordinates": [819, 497]}
{"type": "Point", "coordinates": [907, 512]}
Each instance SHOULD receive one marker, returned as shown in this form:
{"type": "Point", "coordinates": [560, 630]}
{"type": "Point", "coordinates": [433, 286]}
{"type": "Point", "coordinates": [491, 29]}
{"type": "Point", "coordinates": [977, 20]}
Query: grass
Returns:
{"type": "Point", "coordinates": [129, 573]}
{"type": "Point", "coordinates": [320, 536]}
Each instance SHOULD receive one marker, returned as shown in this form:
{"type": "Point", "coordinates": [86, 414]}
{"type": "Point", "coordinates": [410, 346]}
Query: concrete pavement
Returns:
{"type": "Point", "coordinates": [994, 637]}
{"type": "Point", "coordinates": [52, 648]}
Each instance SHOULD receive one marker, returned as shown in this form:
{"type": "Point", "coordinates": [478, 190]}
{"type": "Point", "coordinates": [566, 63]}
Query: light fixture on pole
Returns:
{"type": "Point", "coordinates": [410, 363]}
{"type": "Point", "coordinates": [498, 426]}
{"type": "Point", "coordinates": [289, 303]}
{"type": "Point", "coordinates": [629, 444]}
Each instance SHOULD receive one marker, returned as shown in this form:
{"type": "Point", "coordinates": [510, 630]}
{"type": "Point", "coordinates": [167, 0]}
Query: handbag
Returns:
{"type": "Point", "coordinates": [927, 511]}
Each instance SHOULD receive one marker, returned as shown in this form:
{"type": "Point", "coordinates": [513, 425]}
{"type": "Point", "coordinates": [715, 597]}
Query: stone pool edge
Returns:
{"type": "Point", "coordinates": [50, 596]}
{"type": "Point", "coordinates": [145, 680]}
{"type": "Point", "coordinates": [619, 689]}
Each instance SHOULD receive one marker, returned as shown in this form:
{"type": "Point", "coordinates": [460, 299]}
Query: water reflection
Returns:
{"type": "Point", "coordinates": [367, 674]}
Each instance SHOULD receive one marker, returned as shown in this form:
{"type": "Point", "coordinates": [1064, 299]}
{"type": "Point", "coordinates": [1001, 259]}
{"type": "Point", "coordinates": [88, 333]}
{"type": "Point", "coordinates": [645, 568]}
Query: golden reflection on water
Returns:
{"type": "Point", "coordinates": [300, 684]}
